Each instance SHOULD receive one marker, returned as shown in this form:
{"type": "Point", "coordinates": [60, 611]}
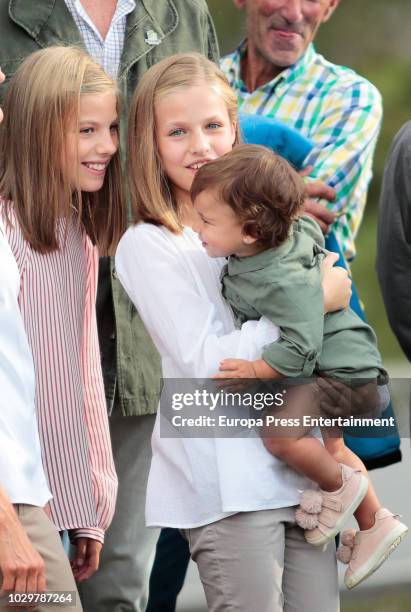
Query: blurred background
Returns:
{"type": "Point", "coordinates": [374, 38]}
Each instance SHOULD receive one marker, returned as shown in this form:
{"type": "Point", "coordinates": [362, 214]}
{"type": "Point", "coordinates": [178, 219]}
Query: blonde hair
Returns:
{"type": "Point", "coordinates": [42, 101]}
{"type": "Point", "coordinates": [151, 195]}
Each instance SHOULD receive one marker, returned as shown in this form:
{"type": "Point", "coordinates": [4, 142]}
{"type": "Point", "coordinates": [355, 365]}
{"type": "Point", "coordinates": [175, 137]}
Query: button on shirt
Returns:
{"type": "Point", "coordinates": [107, 52]}
{"type": "Point", "coordinates": [21, 470]}
{"type": "Point", "coordinates": [338, 110]}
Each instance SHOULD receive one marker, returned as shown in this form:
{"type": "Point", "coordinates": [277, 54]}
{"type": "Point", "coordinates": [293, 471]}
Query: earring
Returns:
{"type": "Point", "coordinates": [247, 240]}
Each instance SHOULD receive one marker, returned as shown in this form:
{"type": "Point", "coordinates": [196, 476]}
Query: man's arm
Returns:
{"type": "Point", "coordinates": [344, 144]}
{"type": "Point", "coordinates": [21, 565]}
{"type": "Point", "coordinates": [394, 238]}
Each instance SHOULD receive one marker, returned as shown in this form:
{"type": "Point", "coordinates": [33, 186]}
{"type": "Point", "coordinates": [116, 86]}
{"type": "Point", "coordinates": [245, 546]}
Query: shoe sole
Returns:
{"type": "Point", "coordinates": [387, 546]}
{"type": "Point", "coordinates": [344, 519]}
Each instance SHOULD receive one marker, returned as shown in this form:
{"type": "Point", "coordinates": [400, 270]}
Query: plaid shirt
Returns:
{"type": "Point", "coordinates": [107, 52]}
{"type": "Point", "coordinates": [338, 110]}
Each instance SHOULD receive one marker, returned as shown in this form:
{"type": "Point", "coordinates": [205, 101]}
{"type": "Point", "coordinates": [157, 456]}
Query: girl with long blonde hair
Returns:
{"type": "Point", "coordinates": [230, 498]}
{"type": "Point", "coordinates": [61, 203]}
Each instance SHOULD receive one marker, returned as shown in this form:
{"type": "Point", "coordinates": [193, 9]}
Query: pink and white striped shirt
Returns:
{"type": "Point", "coordinates": [57, 302]}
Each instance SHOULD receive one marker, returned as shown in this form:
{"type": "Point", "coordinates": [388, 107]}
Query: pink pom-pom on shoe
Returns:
{"type": "Point", "coordinates": [311, 501]}
{"type": "Point", "coordinates": [344, 551]}
{"type": "Point", "coordinates": [348, 537]}
{"type": "Point", "coordinates": [344, 554]}
{"type": "Point", "coordinates": [306, 520]}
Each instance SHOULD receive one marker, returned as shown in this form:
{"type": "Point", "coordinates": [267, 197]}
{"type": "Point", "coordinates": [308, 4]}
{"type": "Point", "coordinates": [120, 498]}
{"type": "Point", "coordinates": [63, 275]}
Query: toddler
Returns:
{"type": "Point", "coordinates": [248, 204]}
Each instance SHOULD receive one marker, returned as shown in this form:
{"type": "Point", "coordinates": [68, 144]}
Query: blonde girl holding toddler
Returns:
{"type": "Point", "coordinates": [230, 498]}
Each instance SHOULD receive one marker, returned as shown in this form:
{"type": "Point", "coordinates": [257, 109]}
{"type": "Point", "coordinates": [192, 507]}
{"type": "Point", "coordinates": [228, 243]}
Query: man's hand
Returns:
{"type": "Point", "coordinates": [22, 566]}
{"type": "Point", "coordinates": [320, 213]}
{"type": "Point", "coordinates": [87, 558]}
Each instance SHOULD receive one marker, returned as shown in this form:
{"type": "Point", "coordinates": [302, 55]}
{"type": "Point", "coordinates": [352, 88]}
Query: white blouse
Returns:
{"type": "Point", "coordinates": [176, 288]}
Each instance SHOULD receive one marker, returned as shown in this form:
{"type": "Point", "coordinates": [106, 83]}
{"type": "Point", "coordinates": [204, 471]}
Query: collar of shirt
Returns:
{"type": "Point", "coordinates": [124, 7]}
{"type": "Point", "coordinates": [241, 265]}
{"type": "Point", "coordinates": [284, 79]}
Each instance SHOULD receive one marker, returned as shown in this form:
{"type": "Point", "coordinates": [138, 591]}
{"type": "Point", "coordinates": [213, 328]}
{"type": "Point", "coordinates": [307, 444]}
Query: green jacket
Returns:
{"type": "Point", "coordinates": [284, 285]}
{"type": "Point", "coordinates": [131, 364]}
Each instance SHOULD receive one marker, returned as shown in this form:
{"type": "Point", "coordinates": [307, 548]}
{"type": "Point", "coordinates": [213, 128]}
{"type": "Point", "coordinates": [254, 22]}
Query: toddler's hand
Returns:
{"type": "Point", "coordinates": [236, 368]}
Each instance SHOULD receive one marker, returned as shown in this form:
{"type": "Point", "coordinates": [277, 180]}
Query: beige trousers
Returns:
{"type": "Point", "coordinates": [121, 583]}
{"type": "Point", "coordinates": [46, 539]}
{"type": "Point", "coordinates": [261, 561]}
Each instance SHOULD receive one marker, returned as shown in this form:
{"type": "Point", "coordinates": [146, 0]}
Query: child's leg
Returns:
{"type": "Point", "coordinates": [342, 488]}
{"type": "Point", "coordinates": [365, 513]}
{"type": "Point", "coordinates": [296, 447]}
{"type": "Point", "coordinates": [308, 456]}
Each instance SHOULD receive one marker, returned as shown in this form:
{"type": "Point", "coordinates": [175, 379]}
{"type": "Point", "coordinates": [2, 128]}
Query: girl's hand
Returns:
{"type": "Point", "coordinates": [338, 400]}
{"type": "Point", "coordinates": [87, 558]}
{"type": "Point", "coordinates": [336, 284]}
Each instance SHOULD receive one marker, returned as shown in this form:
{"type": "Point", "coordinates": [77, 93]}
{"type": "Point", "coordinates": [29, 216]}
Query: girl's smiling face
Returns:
{"type": "Point", "coordinates": [192, 127]}
{"type": "Point", "coordinates": [90, 148]}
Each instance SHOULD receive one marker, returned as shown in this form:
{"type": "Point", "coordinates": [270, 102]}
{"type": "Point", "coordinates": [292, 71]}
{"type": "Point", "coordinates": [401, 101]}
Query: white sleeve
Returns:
{"type": "Point", "coordinates": [180, 319]}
